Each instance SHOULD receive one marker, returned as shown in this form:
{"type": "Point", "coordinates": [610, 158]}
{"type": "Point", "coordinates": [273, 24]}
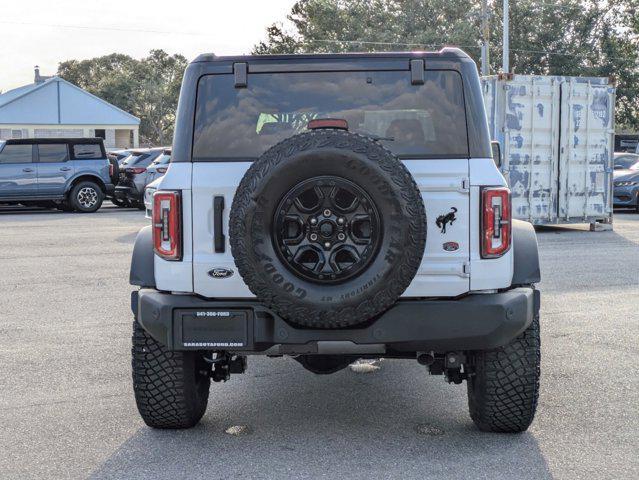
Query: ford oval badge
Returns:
{"type": "Point", "coordinates": [451, 246]}
{"type": "Point", "coordinates": [220, 272]}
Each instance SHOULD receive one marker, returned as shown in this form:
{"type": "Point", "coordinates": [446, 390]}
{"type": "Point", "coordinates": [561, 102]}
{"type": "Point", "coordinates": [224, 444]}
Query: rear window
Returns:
{"type": "Point", "coordinates": [413, 121]}
{"type": "Point", "coordinates": [143, 160]}
{"type": "Point", "coordinates": [87, 150]}
{"type": "Point", "coordinates": [162, 159]}
{"type": "Point", "coordinates": [132, 159]}
{"type": "Point", "coordinates": [129, 162]}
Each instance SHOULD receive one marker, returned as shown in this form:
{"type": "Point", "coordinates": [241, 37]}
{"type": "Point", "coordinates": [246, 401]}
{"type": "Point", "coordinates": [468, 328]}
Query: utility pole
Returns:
{"type": "Point", "coordinates": [506, 66]}
{"type": "Point", "coordinates": [485, 41]}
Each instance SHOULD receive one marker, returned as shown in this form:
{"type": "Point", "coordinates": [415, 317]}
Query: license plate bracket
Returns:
{"type": "Point", "coordinates": [213, 329]}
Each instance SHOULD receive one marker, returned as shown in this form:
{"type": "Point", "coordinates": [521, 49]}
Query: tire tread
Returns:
{"type": "Point", "coordinates": [164, 384]}
{"type": "Point", "coordinates": [503, 393]}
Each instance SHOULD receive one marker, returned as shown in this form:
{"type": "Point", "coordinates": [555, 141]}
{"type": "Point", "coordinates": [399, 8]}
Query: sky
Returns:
{"type": "Point", "coordinates": [47, 32]}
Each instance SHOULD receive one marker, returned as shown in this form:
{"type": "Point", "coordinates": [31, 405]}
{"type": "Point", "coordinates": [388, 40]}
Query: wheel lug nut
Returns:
{"type": "Point", "coordinates": [341, 220]}
{"type": "Point", "coordinates": [327, 213]}
{"type": "Point", "coordinates": [313, 220]}
{"type": "Point", "coordinates": [313, 236]}
{"type": "Point", "coordinates": [327, 245]}
{"type": "Point", "coordinates": [341, 236]}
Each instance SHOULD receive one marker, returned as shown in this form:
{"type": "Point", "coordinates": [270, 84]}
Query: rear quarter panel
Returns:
{"type": "Point", "coordinates": [493, 273]}
{"type": "Point", "coordinates": [178, 276]}
{"type": "Point", "coordinates": [98, 168]}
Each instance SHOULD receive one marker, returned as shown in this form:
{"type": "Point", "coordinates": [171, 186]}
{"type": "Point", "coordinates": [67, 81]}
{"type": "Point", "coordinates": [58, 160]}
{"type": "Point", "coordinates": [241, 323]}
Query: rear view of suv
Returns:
{"type": "Point", "coordinates": [330, 208]}
{"type": "Point", "coordinates": [70, 173]}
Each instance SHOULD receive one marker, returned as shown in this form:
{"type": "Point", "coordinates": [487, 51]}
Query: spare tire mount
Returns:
{"type": "Point", "coordinates": [328, 228]}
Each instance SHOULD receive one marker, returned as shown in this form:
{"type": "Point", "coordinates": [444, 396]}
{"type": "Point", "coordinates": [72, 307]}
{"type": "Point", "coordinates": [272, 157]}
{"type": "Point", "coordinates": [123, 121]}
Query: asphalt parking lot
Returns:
{"type": "Point", "coordinates": [67, 408]}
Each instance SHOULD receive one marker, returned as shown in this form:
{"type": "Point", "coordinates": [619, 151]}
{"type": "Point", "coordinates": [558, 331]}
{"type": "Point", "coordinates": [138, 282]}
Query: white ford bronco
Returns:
{"type": "Point", "coordinates": [334, 208]}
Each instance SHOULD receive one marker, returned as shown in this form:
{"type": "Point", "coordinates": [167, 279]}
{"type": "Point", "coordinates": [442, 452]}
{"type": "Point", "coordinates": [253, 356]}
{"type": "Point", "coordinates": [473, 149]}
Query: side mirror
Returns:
{"type": "Point", "coordinates": [496, 147]}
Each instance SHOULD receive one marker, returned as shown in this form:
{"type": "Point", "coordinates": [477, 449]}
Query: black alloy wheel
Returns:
{"type": "Point", "coordinates": [327, 229]}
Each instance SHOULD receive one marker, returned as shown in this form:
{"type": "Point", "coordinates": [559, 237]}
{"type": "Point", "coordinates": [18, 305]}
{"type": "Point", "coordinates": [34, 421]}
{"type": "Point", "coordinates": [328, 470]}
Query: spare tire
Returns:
{"type": "Point", "coordinates": [328, 228]}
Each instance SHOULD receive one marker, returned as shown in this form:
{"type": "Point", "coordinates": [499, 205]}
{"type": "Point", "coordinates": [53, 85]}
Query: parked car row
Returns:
{"type": "Point", "coordinates": [137, 170]}
{"type": "Point", "coordinates": [76, 174]}
{"type": "Point", "coordinates": [119, 155]}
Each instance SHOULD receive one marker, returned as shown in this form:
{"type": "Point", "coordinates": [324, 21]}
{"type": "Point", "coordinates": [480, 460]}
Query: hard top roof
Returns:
{"type": "Point", "coordinates": [447, 53]}
{"type": "Point", "coordinates": [35, 141]}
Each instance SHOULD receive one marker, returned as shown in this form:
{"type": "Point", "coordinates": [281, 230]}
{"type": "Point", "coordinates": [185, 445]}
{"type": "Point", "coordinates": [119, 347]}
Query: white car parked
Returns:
{"type": "Point", "coordinates": [148, 197]}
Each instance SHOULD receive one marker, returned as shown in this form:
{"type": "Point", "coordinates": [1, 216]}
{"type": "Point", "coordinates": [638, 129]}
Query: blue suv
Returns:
{"type": "Point", "coordinates": [72, 174]}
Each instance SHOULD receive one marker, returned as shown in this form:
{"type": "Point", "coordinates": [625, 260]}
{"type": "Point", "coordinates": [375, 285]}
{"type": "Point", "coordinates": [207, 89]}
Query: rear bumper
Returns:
{"type": "Point", "coordinates": [474, 322]}
{"type": "Point", "coordinates": [625, 196]}
{"type": "Point", "coordinates": [127, 193]}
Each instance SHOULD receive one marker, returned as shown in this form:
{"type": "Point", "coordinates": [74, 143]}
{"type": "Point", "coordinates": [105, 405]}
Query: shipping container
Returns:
{"type": "Point", "coordinates": [557, 139]}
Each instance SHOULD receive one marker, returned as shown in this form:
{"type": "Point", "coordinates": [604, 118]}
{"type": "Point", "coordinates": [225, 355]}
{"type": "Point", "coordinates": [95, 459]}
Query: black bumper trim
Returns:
{"type": "Point", "coordinates": [127, 193]}
{"type": "Point", "coordinates": [474, 322]}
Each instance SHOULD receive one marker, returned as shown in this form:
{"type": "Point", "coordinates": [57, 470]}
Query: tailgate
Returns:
{"type": "Point", "coordinates": [444, 269]}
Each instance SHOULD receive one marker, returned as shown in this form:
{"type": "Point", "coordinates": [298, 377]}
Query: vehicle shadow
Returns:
{"type": "Point", "coordinates": [394, 423]}
{"type": "Point", "coordinates": [560, 228]}
{"type": "Point", "coordinates": [19, 210]}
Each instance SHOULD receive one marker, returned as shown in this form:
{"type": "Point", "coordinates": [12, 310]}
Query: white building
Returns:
{"type": "Point", "coordinates": [52, 107]}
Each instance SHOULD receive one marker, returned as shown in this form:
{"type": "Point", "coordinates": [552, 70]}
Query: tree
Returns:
{"type": "Point", "coordinates": [110, 77]}
{"type": "Point", "coordinates": [156, 96]}
{"type": "Point", "coordinates": [564, 37]}
{"type": "Point", "coordinates": [147, 88]}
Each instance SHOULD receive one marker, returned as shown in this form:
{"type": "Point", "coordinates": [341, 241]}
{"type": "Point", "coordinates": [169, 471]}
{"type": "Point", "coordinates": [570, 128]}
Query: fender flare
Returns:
{"type": "Point", "coordinates": [94, 177]}
{"type": "Point", "coordinates": [526, 254]}
{"type": "Point", "coordinates": [142, 271]}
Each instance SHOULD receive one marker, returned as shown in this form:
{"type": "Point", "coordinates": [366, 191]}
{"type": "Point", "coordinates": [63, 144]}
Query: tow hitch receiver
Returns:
{"type": "Point", "coordinates": [450, 365]}
{"type": "Point", "coordinates": [224, 364]}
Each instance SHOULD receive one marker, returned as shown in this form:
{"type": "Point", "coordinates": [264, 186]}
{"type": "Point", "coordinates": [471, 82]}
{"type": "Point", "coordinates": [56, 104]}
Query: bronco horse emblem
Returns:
{"type": "Point", "coordinates": [442, 220]}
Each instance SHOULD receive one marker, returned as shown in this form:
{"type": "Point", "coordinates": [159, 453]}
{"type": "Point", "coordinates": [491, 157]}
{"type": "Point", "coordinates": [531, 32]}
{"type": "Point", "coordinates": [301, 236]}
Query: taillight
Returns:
{"type": "Point", "coordinates": [161, 169]}
{"type": "Point", "coordinates": [136, 170]}
{"type": "Point", "coordinates": [167, 219]}
{"type": "Point", "coordinates": [111, 170]}
{"type": "Point", "coordinates": [495, 222]}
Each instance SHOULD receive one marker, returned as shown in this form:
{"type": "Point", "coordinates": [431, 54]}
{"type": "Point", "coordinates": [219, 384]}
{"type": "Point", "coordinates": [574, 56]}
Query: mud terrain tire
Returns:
{"type": "Point", "coordinates": [170, 389]}
{"type": "Point", "coordinates": [396, 228]}
{"type": "Point", "coordinates": [503, 392]}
